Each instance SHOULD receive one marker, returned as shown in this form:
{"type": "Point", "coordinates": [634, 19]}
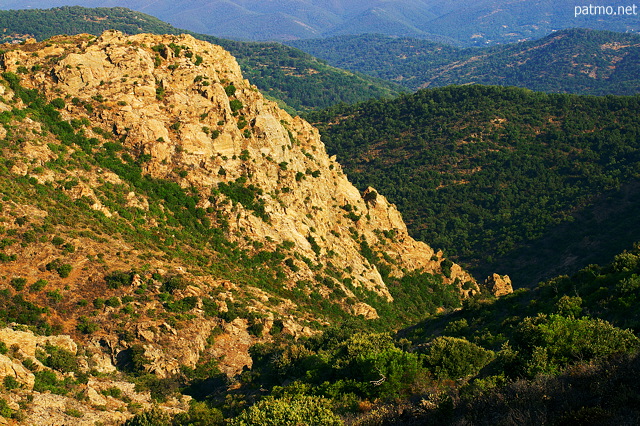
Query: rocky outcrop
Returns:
{"type": "Point", "coordinates": [27, 343]}
{"type": "Point", "coordinates": [180, 108]}
{"type": "Point", "coordinates": [184, 105]}
{"type": "Point", "coordinates": [232, 348]}
{"type": "Point", "coordinates": [362, 309]}
{"type": "Point", "coordinates": [499, 285]}
{"type": "Point", "coordinates": [9, 367]}
{"type": "Point", "coordinates": [101, 400]}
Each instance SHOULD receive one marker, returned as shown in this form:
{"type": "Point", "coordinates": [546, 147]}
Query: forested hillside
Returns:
{"type": "Point", "coordinates": [481, 171]}
{"type": "Point", "coordinates": [160, 220]}
{"type": "Point", "coordinates": [564, 352]}
{"type": "Point", "coordinates": [570, 61]}
{"type": "Point", "coordinates": [298, 80]}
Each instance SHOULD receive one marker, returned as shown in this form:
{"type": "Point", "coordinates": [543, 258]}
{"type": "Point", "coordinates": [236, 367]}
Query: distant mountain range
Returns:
{"type": "Point", "coordinates": [474, 22]}
{"type": "Point", "coordinates": [579, 61]}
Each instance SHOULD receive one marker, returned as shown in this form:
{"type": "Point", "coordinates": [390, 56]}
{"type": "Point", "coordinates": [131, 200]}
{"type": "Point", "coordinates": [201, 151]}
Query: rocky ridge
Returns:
{"type": "Point", "coordinates": [168, 102]}
{"type": "Point", "coordinates": [179, 109]}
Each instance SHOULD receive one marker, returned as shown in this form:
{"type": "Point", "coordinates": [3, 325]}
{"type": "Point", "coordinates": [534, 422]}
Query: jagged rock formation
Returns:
{"type": "Point", "coordinates": [49, 408]}
{"type": "Point", "coordinates": [499, 285]}
{"type": "Point", "coordinates": [180, 109]}
{"type": "Point", "coordinates": [187, 107]}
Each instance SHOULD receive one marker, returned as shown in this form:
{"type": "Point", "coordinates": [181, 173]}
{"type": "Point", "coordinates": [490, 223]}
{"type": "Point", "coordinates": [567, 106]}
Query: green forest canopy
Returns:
{"type": "Point", "coordinates": [480, 170]}
{"type": "Point", "coordinates": [577, 61]}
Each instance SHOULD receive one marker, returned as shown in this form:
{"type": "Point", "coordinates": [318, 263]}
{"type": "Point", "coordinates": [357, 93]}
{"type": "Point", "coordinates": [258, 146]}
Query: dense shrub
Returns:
{"type": "Point", "coordinates": [569, 306]}
{"type": "Point", "coordinates": [5, 410]}
{"type": "Point", "coordinates": [454, 358]}
{"type": "Point", "coordinates": [176, 282]}
{"type": "Point", "coordinates": [138, 360]}
{"type": "Point", "coordinates": [183, 305]}
{"type": "Point", "coordinates": [230, 90]}
{"type": "Point", "coordinates": [300, 410]}
{"type": "Point", "coordinates": [595, 393]}
{"type": "Point", "coordinates": [199, 415]}
{"type": "Point", "coordinates": [160, 389]}
{"type": "Point", "coordinates": [117, 279]}
{"type": "Point", "coordinates": [113, 302]}
{"type": "Point", "coordinates": [17, 309]}
{"type": "Point", "coordinates": [625, 262]}
{"type": "Point", "coordinates": [10, 383]}
{"type": "Point", "coordinates": [153, 417]}
{"type": "Point", "coordinates": [58, 103]}
{"type": "Point", "coordinates": [18, 283]}
{"type": "Point", "coordinates": [38, 285]}
{"type": "Point", "coordinates": [235, 105]}
{"type": "Point", "coordinates": [247, 195]}
{"type": "Point", "coordinates": [63, 269]}
{"type": "Point", "coordinates": [548, 343]}
{"type": "Point", "coordinates": [59, 359]}
{"type": "Point", "coordinates": [46, 380]}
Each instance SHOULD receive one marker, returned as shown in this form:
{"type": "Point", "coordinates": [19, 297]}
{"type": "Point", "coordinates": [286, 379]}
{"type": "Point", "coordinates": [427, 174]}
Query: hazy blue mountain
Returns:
{"type": "Point", "coordinates": [474, 22]}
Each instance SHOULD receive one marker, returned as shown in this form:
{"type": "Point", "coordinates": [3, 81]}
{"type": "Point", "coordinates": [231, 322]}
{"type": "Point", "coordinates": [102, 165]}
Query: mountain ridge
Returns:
{"type": "Point", "coordinates": [231, 137]}
{"type": "Point", "coordinates": [167, 217]}
{"type": "Point", "coordinates": [569, 61]}
{"type": "Point", "coordinates": [478, 22]}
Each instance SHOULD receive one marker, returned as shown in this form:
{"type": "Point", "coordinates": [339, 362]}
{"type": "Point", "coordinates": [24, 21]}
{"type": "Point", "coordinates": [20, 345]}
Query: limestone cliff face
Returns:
{"type": "Point", "coordinates": [184, 105]}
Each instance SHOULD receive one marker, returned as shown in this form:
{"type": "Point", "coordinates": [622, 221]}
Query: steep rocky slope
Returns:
{"type": "Point", "coordinates": [163, 213]}
{"type": "Point", "coordinates": [196, 121]}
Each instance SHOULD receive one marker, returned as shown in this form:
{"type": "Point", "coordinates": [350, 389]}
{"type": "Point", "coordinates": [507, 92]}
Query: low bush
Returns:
{"type": "Point", "coordinates": [299, 410]}
{"type": "Point", "coordinates": [63, 269]}
{"type": "Point", "coordinates": [118, 279]}
{"type": "Point", "coordinates": [18, 283]}
{"type": "Point", "coordinates": [59, 359]}
{"type": "Point", "coordinates": [455, 358]}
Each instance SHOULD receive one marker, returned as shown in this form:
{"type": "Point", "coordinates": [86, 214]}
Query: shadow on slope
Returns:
{"type": "Point", "coordinates": [597, 233]}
